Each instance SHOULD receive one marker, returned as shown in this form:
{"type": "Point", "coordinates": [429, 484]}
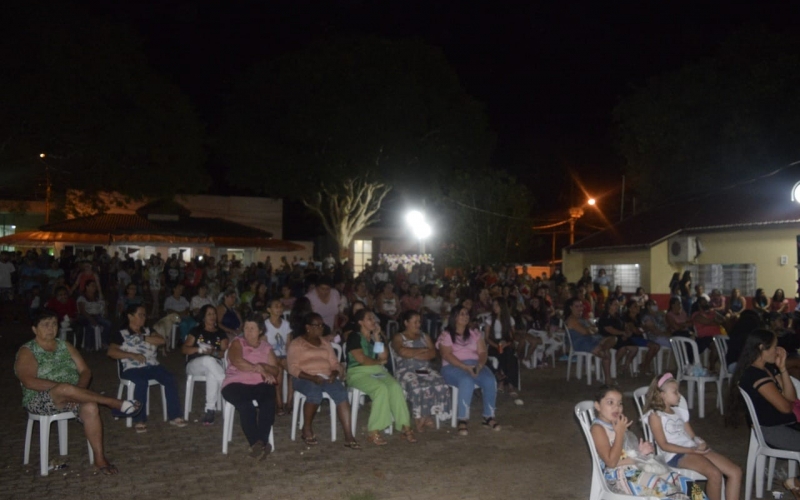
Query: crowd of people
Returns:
{"type": "Point", "coordinates": [404, 338]}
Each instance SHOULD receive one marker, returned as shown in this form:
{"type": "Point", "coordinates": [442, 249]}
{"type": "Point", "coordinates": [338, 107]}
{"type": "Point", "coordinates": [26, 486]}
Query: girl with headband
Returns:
{"type": "Point", "coordinates": [681, 447]}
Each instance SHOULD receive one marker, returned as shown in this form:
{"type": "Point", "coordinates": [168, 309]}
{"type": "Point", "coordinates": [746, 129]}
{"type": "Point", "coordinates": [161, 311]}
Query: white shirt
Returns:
{"type": "Point", "coordinates": [498, 327]}
{"type": "Point", "coordinates": [6, 268]}
{"type": "Point", "coordinates": [434, 304]}
{"type": "Point", "coordinates": [675, 429]}
{"type": "Point", "coordinates": [198, 302]}
{"type": "Point", "coordinates": [177, 305]}
{"type": "Point", "coordinates": [277, 337]}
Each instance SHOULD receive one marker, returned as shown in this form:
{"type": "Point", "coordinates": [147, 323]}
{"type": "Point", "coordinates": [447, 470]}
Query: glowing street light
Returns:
{"type": "Point", "coordinates": [591, 201]}
{"type": "Point", "coordinates": [42, 155]}
{"type": "Point", "coordinates": [420, 227]}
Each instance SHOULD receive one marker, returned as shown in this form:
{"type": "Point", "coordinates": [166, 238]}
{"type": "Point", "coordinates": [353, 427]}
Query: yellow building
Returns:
{"type": "Point", "coordinates": [746, 236]}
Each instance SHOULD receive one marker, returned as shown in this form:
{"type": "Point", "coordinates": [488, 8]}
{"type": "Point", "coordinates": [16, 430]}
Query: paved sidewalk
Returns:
{"type": "Point", "coordinates": [540, 453]}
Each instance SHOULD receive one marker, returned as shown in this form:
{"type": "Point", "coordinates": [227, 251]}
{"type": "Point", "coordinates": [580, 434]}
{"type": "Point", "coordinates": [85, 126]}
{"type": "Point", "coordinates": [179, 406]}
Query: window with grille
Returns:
{"type": "Point", "coordinates": [627, 276]}
{"type": "Point", "coordinates": [725, 277]}
{"type": "Point", "coordinates": [362, 255]}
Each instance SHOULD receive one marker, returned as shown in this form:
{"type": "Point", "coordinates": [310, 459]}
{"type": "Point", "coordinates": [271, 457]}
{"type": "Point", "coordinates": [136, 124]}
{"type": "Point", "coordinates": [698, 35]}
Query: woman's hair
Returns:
{"type": "Point", "coordinates": [504, 318]}
{"type": "Point", "coordinates": [42, 315]}
{"type": "Point", "coordinates": [628, 305]}
{"type": "Point", "coordinates": [407, 315]}
{"type": "Point", "coordinates": [568, 307]}
{"type": "Point", "coordinates": [228, 292]}
{"type": "Point", "coordinates": [673, 301]}
{"type": "Point", "coordinates": [258, 319]}
{"type": "Point", "coordinates": [129, 311]}
{"type": "Point", "coordinates": [603, 391]}
{"type": "Point", "coordinates": [757, 341]}
{"type": "Point", "coordinates": [201, 314]}
{"type": "Point", "coordinates": [653, 400]}
{"type": "Point", "coordinates": [360, 315]}
{"type": "Point", "coordinates": [759, 293]}
{"type": "Point", "coordinates": [301, 307]}
{"type": "Point", "coordinates": [451, 323]}
{"type": "Point", "coordinates": [607, 309]}
{"type": "Point", "coordinates": [775, 296]}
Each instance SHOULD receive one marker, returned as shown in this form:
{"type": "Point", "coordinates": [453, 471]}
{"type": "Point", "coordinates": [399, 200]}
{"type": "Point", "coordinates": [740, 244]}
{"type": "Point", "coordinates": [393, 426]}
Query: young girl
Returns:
{"type": "Point", "coordinates": [609, 430]}
{"type": "Point", "coordinates": [681, 447]}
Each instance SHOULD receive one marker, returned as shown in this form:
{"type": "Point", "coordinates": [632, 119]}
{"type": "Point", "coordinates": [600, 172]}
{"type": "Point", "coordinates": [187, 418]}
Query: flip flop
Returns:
{"type": "Point", "coordinates": [491, 423]}
{"type": "Point", "coordinates": [130, 408]}
{"type": "Point", "coordinates": [140, 428]}
{"type": "Point", "coordinates": [353, 445]}
{"type": "Point", "coordinates": [178, 422]}
{"type": "Point", "coordinates": [310, 440]}
{"type": "Point", "coordinates": [108, 470]}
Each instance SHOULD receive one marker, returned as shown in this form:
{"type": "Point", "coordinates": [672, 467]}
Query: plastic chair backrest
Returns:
{"type": "Point", "coordinates": [585, 413]}
{"type": "Point", "coordinates": [754, 418]}
{"type": "Point", "coordinates": [680, 346]}
{"type": "Point", "coordinates": [721, 343]}
{"type": "Point", "coordinates": [391, 354]}
{"type": "Point", "coordinates": [639, 397]}
{"type": "Point", "coordinates": [796, 384]}
{"type": "Point", "coordinates": [337, 349]}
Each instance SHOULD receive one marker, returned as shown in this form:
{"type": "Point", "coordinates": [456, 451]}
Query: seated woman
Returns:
{"type": "Point", "coordinates": [91, 313]}
{"type": "Point", "coordinates": [366, 356]}
{"type": "Point", "coordinates": [230, 321]}
{"type": "Point", "coordinates": [250, 376]}
{"type": "Point", "coordinates": [678, 322]}
{"type": "Point", "coordinates": [135, 347]}
{"type": "Point", "coordinates": [464, 356]}
{"type": "Point", "coordinates": [736, 304]}
{"type": "Point", "coordinates": [499, 334]}
{"type": "Point", "coordinates": [54, 379]}
{"type": "Point", "coordinates": [314, 368]}
{"type": "Point", "coordinates": [761, 302]}
{"type": "Point", "coordinates": [387, 304]}
{"type": "Point", "coordinates": [654, 324]}
{"type": "Point", "coordinates": [279, 335]}
{"type": "Point", "coordinates": [131, 297]}
{"type": "Point", "coordinates": [205, 347]}
{"type": "Point", "coordinates": [612, 325]}
{"type": "Point", "coordinates": [633, 327]}
{"type": "Point", "coordinates": [761, 373]}
{"type": "Point", "coordinates": [584, 336]}
{"type": "Point", "coordinates": [425, 388]}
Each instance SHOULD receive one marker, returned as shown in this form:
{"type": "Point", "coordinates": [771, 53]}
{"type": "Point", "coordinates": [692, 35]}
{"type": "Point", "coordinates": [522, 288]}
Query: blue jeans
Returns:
{"type": "Point", "coordinates": [466, 385]}
{"type": "Point", "coordinates": [313, 392]}
{"type": "Point", "coordinates": [140, 377]}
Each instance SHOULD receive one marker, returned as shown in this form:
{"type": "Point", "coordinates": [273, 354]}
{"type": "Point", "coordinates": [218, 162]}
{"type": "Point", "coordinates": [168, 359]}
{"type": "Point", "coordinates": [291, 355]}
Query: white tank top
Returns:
{"type": "Point", "coordinates": [675, 429]}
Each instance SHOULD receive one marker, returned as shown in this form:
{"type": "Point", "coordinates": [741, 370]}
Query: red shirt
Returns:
{"type": "Point", "coordinates": [705, 330]}
{"type": "Point", "coordinates": [68, 308]}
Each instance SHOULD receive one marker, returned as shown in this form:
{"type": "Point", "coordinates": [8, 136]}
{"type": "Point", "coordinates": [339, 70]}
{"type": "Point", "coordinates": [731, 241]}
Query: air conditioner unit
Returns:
{"type": "Point", "coordinates": [682, 249]}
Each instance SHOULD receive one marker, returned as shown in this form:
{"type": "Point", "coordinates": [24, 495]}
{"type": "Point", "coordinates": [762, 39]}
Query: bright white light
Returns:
{"type": "Point", "coordinates": [42, 155]}
{"type": "Point", "coordinates": [591, 201]}
{"type": "Point", "coordinates": [420, 228]}
{"type": "Point", "coordinates": [796, 193]}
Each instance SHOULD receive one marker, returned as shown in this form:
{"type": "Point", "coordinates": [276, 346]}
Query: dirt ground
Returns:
{"type": "Point", "coordinates": [540, 452]}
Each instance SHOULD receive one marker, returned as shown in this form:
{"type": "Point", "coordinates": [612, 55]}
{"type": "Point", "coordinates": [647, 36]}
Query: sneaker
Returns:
{"type": "Point", "coordinates": [208, 418]}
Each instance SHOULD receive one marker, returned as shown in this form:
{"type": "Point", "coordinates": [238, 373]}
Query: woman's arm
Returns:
{"type": "Point", "coordinates": [189, 346]}
{"type": "Point", "coordinates": [363, 359]}
{"type": "Point", "coordinates": [447, 355]}
{"type": "Point", "coordinates": [27, 369]}
{"type": "Point", "coordinates": [422, 353]}
{"type": "Point", "coordinates": [155, 338]}
{"type": "Point", "coordinates": [574, 324]}
{"type": "Point", "coordinates": [116, 352]}
{"type": "Point", "coordinates": [85, 374]}
{"type": "Point", "coordinates": [610, 455]}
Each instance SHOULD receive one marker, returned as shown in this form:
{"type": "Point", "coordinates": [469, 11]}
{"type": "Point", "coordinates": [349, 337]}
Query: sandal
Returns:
{"type": "Point", "coordinates": [514, 394]}
{"type": "Point", "coordinates": [178, 422]}
{"type": "Point", "coordinates": [408, 434]}
{"type": "Point", "coordinates": [281, 411]}
{"type": "Point", "coordinates": [353, 445]}
{"type": "Point", "coordinates": [462, 428]}
{"type": "Point", "coordinates": [108, 470]}
{"type": "Point", "coordinates": [310, 440]}
{"type": "Point", "coordinates": [141, 428]}
{"type": "Point", "coordinates": [376, 439]}
{"type": "Point", "coordinates": [491, 423]}
{"type": "Point", "coordinates": [129, 408]}
{"type": "Point", "coordinates": [793, 488]}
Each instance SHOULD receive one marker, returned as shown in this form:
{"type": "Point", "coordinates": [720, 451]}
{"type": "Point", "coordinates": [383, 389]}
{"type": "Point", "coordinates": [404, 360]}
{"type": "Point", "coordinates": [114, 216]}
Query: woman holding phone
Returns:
{"type": "Point", "coordinates": [425, 387]}
{"type": "Point", "coordinates": [366, 371]}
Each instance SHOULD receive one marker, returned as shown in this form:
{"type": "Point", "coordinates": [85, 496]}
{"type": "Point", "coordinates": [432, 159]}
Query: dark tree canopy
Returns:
{"type": "Point", "coordinates": [393, 110]}
{"type": "Point", "coordinates": [716, 121]}
{"type": "Point", "coordinates": [80, 90]}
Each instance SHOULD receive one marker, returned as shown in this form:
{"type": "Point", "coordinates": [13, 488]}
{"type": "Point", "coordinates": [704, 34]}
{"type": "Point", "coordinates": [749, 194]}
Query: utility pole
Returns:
{"type": "Point", "coordinates": [48, 189]}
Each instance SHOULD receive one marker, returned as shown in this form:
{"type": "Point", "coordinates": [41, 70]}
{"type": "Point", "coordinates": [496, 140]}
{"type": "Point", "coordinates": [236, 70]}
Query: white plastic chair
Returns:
{"type": "Point", "coordinates": [44, 438]}
{"type": "Point", "coordinates": [173, 336]}
{"type": "Point", "coordinates": [590, 360]}
{"type": "Point", "coordinates": [758, 451]}
{"type": "Point", "coordinates": [227, 426]}
{"type": "Point", "coordinates": [298, 418]}
{"type": "Point", "coordinates": [357, 398]}
{"type": "Point", "coordinates": [599, 489]}
{"type": "Point", "coordinates": [392, 356]}
{"type": "Point", "coordinates": [392, 327]}
{"type": "Point", "coordinates": [680, 347]}
{"type": "Point", "coordinates": [127, 384]}
{"type": "Point", "coordinates": [721, 343]}
{"type": "Point", "coordinates": [98, 330]}
{"type": "Point", "coordinates": [190, 381]}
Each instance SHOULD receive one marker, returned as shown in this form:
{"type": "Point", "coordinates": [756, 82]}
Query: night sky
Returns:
{"type": "Point", "coordinates": [549, 74]}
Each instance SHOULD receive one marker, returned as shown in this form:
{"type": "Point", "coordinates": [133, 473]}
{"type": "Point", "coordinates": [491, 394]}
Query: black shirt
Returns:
{"type": "Point", "coordinates": [214, 338]}
{"type": "Point", "coordinates": [768, 415]}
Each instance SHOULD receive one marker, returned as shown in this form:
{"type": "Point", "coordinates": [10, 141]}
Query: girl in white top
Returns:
{"type": "Point", "coordinates": [681, 447]}
{"type": "Point", "coordinates": [278, 335]}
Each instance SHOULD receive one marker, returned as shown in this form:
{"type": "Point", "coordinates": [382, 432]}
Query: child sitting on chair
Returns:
{"type": "Point", "coordinates": [681, 447]}
{"type": "Point", "coordinates": [628, 466]}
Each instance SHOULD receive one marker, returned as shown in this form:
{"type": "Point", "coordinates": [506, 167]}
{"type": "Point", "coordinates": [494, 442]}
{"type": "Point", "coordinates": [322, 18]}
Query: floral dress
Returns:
{"type": "Point", "coordinates": [429, 393]}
